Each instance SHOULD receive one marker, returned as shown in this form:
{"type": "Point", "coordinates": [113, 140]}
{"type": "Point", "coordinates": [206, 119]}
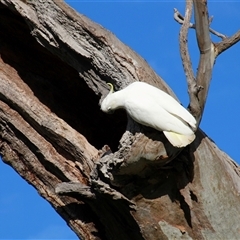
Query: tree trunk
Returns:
{"type": "Point", "coordinates": [54, 66]}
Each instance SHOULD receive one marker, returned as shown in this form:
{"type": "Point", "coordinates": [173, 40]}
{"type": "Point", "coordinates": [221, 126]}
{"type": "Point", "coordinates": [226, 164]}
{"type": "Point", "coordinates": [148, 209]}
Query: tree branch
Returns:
{"type": "Point", "coordinates": [218, 34]}
{"type": "Point", "coordinates": [227, 43]}
{"type": "Point", "coordinates": [186, 61]}
{"type": "Point", "coordinates": [179, 18]}
{"type": "Point", "coordinates": [195, 86]}
{"type": "Point", "coordinates": [207, 54]}
{"type": "Point", "coordinates": [198, 88]}
{"type": "Point", "coordinates": [183, 43]}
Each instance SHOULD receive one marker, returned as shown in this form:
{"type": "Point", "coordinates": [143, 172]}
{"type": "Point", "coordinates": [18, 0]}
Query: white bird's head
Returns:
{"type": "Point", "coordinates": [109, 103]}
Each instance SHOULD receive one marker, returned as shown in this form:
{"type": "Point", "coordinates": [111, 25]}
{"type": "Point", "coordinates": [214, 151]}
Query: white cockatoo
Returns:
{"type": "Point", "coordinates": [154, 108]}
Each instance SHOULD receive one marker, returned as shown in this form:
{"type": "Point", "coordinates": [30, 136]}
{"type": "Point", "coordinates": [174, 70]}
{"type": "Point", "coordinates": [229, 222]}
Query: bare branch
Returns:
{"type": "Point", "coordinates": [198, 88]}
{"type": "Point", "coordinates": [210, 20]}
{"type": "Point", "coordinates": [222, 36]}
{"type": "Point", "coordinates": [187, 65]}
{"type": "Point", "coordinates": [227, 43]}
{"type": "Point", "coordinates": [207, 55]}
{"type": "Point", "coordinates": [179, 18]}
{"type": "Point", "coordinates": [201, 24]}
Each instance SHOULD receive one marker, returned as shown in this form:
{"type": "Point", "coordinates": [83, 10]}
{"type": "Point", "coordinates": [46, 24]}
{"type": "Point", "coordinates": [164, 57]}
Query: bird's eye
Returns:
{"type": "Point", "coordinates": [109, 108]}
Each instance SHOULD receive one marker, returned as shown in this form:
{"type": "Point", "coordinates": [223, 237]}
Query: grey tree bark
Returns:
{"type": "Point", "coordinates": [54, 66]}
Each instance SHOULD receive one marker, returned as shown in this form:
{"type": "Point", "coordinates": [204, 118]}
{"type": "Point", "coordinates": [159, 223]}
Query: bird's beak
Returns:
{"type": "Point", "coordinates": [110, 111]}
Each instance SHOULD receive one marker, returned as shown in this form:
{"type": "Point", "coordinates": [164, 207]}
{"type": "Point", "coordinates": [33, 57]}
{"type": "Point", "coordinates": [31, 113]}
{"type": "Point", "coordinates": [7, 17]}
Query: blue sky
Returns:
{"type": "Point", "coordinates": [149, 29]}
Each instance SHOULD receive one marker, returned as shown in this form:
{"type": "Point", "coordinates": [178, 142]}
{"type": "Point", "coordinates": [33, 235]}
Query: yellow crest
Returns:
{"type": "Point", "coordinates": [111, 87]}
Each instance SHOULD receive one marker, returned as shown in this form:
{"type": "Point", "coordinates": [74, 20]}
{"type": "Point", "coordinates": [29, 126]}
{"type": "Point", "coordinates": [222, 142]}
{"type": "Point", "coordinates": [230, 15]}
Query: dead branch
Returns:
{"type": "Point", "coordinates": [179, 18]}
{"type": "Point", "coordinates": [198, 87]}
{"type": "Point", "coordinates": [193, 89]}
{"type": "Point", "coordinates": [207, 54]}
{"type": "Point", "coordinates": [227, 43]}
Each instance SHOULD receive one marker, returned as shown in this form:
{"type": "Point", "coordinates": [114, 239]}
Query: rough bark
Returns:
{"type": "Point", "coordinates": [54, 67]}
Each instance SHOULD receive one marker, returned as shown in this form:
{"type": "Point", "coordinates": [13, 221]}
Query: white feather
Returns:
{"type": "Point", "coordinates": [152, 107]}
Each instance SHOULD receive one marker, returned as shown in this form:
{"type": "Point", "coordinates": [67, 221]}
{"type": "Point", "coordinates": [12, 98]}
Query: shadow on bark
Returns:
{"type": "Point", "coordinates": [57, 85]}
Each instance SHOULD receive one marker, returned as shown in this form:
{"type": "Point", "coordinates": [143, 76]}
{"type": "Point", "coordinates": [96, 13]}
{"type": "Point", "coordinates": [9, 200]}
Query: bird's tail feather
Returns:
{"type": "Point", "coordinates": [179, 140]}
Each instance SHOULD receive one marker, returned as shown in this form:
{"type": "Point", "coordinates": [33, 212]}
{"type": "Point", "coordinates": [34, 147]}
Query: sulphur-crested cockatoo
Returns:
{"type": "Point", "coordinates": [152, 107]}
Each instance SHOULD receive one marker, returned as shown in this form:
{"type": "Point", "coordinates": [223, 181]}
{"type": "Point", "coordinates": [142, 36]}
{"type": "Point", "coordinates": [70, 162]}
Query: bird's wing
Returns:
{"type": "Point", "coordinates": [176, 109]}
{"type": "Point", "coordinates": [146, 111]}
{"type": "Point", "coordinates": [167, 102]}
